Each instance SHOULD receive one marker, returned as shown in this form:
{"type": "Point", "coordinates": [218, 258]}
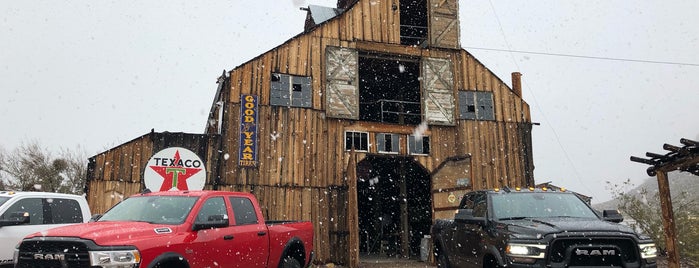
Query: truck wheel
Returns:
{"type": "Point", "coordinates": [490, 262]}
{"type": "Point", "coordinates": [289, 262]}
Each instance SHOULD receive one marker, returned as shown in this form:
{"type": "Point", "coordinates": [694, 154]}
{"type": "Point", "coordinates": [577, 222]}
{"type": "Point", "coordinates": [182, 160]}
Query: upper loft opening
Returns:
{"type": "Point", "coordinates": [389, 89]}
{"type": "Point", "coordinates": [413, 22]}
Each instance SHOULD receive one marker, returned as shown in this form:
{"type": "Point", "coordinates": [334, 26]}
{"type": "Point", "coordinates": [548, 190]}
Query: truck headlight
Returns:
{"type": "Point", "coordinates": [648, 251]}
{"type": "Point", "coordinates": [15, 254]}
{"type": "Point", "coordinates": [526, 253]}
{"type": "Point", "coordinates": [115, 259]}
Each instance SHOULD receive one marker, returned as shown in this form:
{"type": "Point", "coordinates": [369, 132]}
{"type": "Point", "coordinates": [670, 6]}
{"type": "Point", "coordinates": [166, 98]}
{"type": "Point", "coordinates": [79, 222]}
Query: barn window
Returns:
{"type": "Point", "coordinates": [359, 141]}
{"type": "Point", "coordinates": [419, 145]}
{"type": "Point", "coordinates": [413, 22]}
{"type": "Point", "coordinates": [476, 105]}
{"type": "Point", "coordinates": [290, 90]}
{"type": "Point", "coordinates": [388, 143]}
{"type": "Point", "coordinates": [389, 89]}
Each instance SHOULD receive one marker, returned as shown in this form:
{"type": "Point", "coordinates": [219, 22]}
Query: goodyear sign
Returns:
{"type": "Point", "coordinates": [248, 131]}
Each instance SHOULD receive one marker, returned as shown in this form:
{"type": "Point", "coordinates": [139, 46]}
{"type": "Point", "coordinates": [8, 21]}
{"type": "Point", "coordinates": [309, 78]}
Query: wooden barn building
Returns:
{"type": "Point", "coordinates": [371, 123]}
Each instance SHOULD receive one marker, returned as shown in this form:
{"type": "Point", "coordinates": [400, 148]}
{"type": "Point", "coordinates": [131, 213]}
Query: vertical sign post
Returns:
{"type": "Point", "coordinates": [248, 131]}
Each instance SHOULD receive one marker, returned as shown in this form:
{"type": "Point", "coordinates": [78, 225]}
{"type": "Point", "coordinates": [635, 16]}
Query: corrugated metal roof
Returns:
{"type": "Point", "coordinates": [321, 13]}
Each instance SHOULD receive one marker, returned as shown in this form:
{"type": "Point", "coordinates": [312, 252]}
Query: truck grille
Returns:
{"type": "Point", "coordinates": [593, 251]}
{"type": "Point", "coordinates": [50, 254]}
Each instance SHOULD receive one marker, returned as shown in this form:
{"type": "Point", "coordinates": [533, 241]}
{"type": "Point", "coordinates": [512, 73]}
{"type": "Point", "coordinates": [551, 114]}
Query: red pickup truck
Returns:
{"type": "Point", "coordinates": [174, 229]}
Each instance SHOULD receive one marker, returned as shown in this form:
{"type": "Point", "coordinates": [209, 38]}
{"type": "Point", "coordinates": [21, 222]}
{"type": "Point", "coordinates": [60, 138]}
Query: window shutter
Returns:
{"type": "Point", "coordinates": [280, 90]}
{"type": "Point", "coordinates": [485, 105]}
{"type": "Point", "coordinates": [342, 95]}
{"type": "Point", "coordinates": [301, 91]}
{"type": "Point", "coordinates": [467, 105]}
{"type": "Point", "coordinates": [438, 97]}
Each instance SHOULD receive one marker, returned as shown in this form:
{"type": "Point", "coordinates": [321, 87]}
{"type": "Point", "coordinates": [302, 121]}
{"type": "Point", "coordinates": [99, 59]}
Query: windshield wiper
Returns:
{"type": "Point", "coordinates": [512, 218]}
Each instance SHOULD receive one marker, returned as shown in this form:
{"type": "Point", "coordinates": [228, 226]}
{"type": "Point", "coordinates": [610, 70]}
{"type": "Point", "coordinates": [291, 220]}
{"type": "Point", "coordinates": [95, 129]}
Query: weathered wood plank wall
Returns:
{"type": "Point", "coordinates": [302, 161]}
{"type": "Point", "coordinates": [118, 173]}
{"type": "Point", "coordinates": [302, 148]}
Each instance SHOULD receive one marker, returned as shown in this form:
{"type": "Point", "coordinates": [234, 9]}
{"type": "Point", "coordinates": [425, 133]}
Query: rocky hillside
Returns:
{"type": "Point", "coordinates": [679, 182]}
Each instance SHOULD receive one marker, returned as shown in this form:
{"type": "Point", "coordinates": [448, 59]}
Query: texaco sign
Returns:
{"type": "Point", "coordinates": [175, 168]}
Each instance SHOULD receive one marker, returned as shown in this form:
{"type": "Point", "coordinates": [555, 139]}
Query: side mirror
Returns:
{"type": "Point", "coordinates": [95, 217]}
{"type": "Point", "coordinates": [213, 221]}
{"type": "Point", "coordinates": [466, 216]}
{"type": "Point", "coordinates": [612, 215]}
{"type": "Point", "coordinates": [16, 218]}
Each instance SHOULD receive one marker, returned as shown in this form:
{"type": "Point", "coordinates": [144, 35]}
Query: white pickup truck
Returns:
{"type": "Point", "coordinates": [23, 213]}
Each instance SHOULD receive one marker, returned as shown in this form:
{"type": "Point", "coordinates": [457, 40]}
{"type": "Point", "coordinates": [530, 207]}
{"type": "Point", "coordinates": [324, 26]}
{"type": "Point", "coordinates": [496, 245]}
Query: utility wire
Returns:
{"type": "Point", "coordinates": [585, 57]}
{"type": "Point", "coordinates": [536, 103]}
{"type": "Point", "coordinates": [504, 36]}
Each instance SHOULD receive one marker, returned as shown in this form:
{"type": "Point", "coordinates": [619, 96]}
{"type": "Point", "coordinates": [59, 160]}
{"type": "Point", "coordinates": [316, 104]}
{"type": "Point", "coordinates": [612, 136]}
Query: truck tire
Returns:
{"type": "Point", "coordinates": [169, 260]}
{"type": "Point", "coordinates": [171, 264]}
{"type": "Point", "coordinates": [490, 262]}
{"type": "Point", "coordinates": [289, 262]}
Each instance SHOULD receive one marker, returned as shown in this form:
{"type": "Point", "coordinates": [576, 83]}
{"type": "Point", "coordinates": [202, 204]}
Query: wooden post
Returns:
{"type": "Point", "coordinates": [404, 221]}
{"type": "Point", "coordinates": [352, 212]}
{"type": "Point", "coordinates": [668, 220]}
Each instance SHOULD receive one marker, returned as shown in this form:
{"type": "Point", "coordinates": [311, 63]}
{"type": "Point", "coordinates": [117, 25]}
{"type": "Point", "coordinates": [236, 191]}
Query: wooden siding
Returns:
{"type": "Point", "coordinates": [303, 166]}
{"type": "Point", "coordinates": [304, 148]}
{"type": "Point", "coordinates": [118, 173]}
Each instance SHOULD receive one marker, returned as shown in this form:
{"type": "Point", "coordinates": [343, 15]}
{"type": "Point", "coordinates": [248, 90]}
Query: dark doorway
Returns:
{"type": "Point", "coordinates": [389, 89]}
{"type": "Point", "coordinates": [413, 22]}
{"type": "Point", "coordinates": [394, 206]}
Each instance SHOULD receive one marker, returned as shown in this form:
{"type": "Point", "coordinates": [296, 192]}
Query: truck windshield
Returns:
{"type": "Point", "coordinates": [539, 205]}
{"type": "Point", "coordinates": [152, 209]}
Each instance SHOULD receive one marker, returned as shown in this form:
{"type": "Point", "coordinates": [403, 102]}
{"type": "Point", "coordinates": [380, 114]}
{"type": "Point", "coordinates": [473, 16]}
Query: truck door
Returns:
{"type": "Point", "coordinates": [243, 243]}
{"type": "Point", "coordinates": [251, 242]}
{"type": "Point", "coordinates": [467, 235]}
{"type": "Point", "coordinates": [211, 246]}
{"type": "Point", "coordinates": [474, 233]}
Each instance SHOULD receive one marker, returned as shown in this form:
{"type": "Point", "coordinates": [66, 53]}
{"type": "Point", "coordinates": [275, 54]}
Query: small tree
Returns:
{"type": "Point", "coordinates": [31, 167]}
{"type": "Point", "coordinates": [644, 207]}
{"type": "Point", "coordinates": [75, 173]}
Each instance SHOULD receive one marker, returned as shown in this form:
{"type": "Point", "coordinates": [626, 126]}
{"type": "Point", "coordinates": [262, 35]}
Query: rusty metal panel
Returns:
{"type": "Point", "coordinates": [444, 23]}
{"type": "Point", "coordinates": [341, 74]}
{"type": "Point", "coordinates": [438, 95]}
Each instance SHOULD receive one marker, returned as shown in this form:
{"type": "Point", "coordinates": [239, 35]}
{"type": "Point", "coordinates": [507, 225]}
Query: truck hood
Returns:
{"type": "Point", "coordinates": [106, 233]}
{"type": "Point", "coordinates": [538, 227]}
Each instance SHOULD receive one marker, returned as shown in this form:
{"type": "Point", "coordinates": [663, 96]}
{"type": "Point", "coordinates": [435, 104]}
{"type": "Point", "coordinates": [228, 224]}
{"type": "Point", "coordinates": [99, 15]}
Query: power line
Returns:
{"type": "Point", "coordinates": [585, 57]}
{"type": "Point", "coordinates": [536, 102]}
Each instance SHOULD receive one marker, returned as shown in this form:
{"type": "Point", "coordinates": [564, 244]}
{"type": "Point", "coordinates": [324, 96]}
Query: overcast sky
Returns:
{"type": "Point", "coordinates": [606, 79]}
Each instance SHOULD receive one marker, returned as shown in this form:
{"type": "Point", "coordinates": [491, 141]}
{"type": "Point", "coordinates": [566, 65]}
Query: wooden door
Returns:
{"type": "Point", "coordinates": [444, 23]}
{"type": "Point", "coordinates": [450, 181]}
{"type": "Point", "coordinates": [341, 75]}
{"type": "Point", "coordinates": [438, 91]}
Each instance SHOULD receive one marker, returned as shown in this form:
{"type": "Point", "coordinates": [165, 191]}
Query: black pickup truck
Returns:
{"type": "Point", "coordinates": [536, 228]}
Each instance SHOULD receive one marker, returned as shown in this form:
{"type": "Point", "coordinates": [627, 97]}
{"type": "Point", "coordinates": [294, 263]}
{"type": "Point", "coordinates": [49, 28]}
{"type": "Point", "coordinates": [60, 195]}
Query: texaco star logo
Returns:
{"type": "Point", "coordinates": [174, 173]}
{"type": "Point", "coordinates": [175, 168]}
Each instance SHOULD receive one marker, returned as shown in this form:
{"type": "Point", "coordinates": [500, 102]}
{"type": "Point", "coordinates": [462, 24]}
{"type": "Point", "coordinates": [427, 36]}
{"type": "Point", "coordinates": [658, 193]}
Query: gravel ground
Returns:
{"type": "Point", "coordinates": [408, 263]}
